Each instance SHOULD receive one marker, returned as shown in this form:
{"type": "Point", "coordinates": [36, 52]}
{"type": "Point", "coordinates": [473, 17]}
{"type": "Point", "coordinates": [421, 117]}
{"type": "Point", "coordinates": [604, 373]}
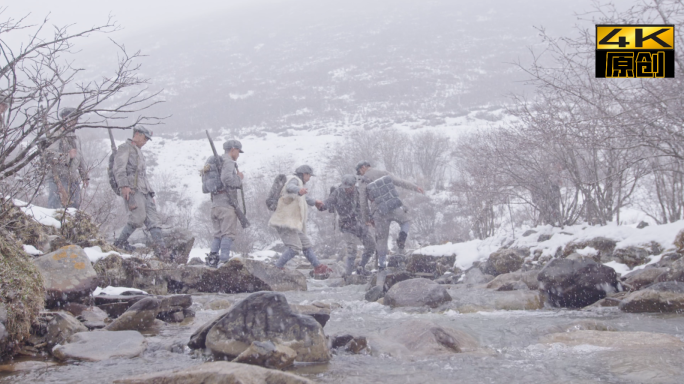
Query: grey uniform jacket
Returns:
{"type": "Point", "coordinates": [370, 176]}
{"type": "Point", "coordinates": [348, 207]}
{"type": "Point", "coordinates": [231, 181]}
{"type": "Point", "coordinates": [57, 155]}
{"type": "Point", "coordinates": [129, 168]}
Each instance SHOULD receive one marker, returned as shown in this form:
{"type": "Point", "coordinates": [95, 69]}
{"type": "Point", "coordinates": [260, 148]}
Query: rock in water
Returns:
{"type": "Point", "coordinates": [660, 298]}
{"type": "Point", "coordinates": [139, 316]}
{"type": "Point", "coordinates": [374, 294]}
{"type": "Point", "coordinates": [101, 345]}
{"type": "Point", "coordinates": [263, 316]}
{"type": "Point", "coordinates": [218, 372]}
{"type": "Point", "coordinates": [67, 275]}
{"type": "Point", "coordinates": [577, 283]}
{"type": "Point", "coordinates": [267, 354]}
{"type": "Point", "coordinates": [93, 318]}
{"type": "Point", "coordinates": [416, 293]}
{"type": "Point", "coordinates": [417, 338]}
{"type": "Point", "coordinates": [642, 277]}
{"type": "Point", "coordinates": [435, 265]}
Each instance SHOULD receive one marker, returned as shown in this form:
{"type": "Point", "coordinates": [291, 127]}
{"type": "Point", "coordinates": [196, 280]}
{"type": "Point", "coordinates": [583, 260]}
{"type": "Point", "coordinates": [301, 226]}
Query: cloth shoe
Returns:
{"type": "Point", "coordinates": [212, 259]}
{"type": "Point", "coordinates": [322, 271]}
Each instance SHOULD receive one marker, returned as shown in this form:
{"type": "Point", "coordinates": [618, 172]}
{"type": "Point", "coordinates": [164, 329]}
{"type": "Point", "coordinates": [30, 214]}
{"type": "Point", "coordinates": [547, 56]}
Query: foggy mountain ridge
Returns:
{"type": "Point", "coordinates": [276, 66]}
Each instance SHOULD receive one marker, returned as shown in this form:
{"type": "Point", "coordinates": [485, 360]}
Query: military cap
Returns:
{"type": "Point", "coordinates": [66, 112]}
{"type": "Point", "coordinates": [361, 164]}
{"type": "Point", "coordinates": [348, 180]}
{"type": "Point", "coordinates": [143, 130]}
{"type": "Point", "coordinates": [232, 144]}
{"type": "Point", "coordinates": [304, 169]}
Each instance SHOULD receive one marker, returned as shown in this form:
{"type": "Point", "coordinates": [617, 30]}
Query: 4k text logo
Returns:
{"type": "Point", "coordinates": [635, 51]}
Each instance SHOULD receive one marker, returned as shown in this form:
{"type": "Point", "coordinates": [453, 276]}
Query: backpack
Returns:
{"type": "Point", "coordinates": [384, 194]}
{"type": "Point", "coordinates": [211, 179]}
{"type": "Point", "coordinates": [274, 194]}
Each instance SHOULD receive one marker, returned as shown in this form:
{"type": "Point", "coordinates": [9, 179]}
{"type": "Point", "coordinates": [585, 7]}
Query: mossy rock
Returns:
{"type": "Point", "coordinates": [24, 228]}
{"type": "Point", "coordinates": [21, 291]}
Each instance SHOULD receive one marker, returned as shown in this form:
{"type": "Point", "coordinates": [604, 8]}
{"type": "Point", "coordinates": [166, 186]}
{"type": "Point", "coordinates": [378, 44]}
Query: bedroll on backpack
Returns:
{"type": "Point", "coordinates": [384, 194]}
{"type": "Point", "coordinates": [211, 179]}
{"type": "Point", "coordinates": [110, 173]}
{"type": "Point", "coordinates": [274, 194]}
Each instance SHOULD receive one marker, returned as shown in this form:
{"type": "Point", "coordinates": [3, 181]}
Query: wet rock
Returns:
{"type": "Point", "coordinates": [67, 276]}
{"type": "Point", "coordinates": [502, 261]}
{"type": "Point", "coordinates": [529, 232]}
{"type": "Point", "coordinates": [93, 318]}
{"type": "Point", "coordinates": [267, 354]}
{"type": "Point", "coordinates": [4, 335]}
{"type": "Point", "coordinates": [417, 338]}
{"type": "Point", "coordinates": [612, 300]}
{"type": "Point", "coordinates": [24, 366]}
{"type": "Point", "coordinates": [320, 314]}
{"type": "Point", "coordinates": [397, 261]}
{"type": "Point", "coordinates": [515, 281]}
{"type": "Point", "coordinates": [356, 280]}
{"type": "Point", "coordinates": [259, 317]}
{"type": "Point", "coordinates": [179, 242]}
{"type": "Point", "coordinates": [374, 294]}
{"type": "Point", "coordinates": [631, 256]}
{"type": "Point", "coordinates": [642, 277]}
{"type": "Point", "coordinates": [416, 293]}
{"type": "Point", "coordinates": [659, 298]}
{"type": "Point", "coordinates": [139, 316]}
{"type": "Point", "coordinates": [101, 345]}
{"type": "Point", "coordinates": [337, 282]}
{"type": "Point", "coordinates": [236, 276]}
{"type": "Point", "coordinates": [615, 340]}
{"type": "Point", "coordinates": [218, 372]}
{"type": "Point", "coordinates": [467, 299]}
{"type": "Point", "coordinates": [218, 304]}
{"type": "Point", "coordinates": [350, 343]}
{"type": "Point", "coordinates": [475, 276]}
{"type": "Point", "coordinates": [583, 325]}
{"type": "Point", "coordinates": [642, 224]}
{"type": "Point", "coordinates": [392, 277]}
{"type": "Point", "coordinates": [60, 326]}
{"type": "Point", "coordinates": [116, 305]}
{"type": "Point", "coordinates": [603, 245]}
{"type": "Point", "coordinates": [433, 265]}
{"type": "Point", "coordinates": [576, 283]}
{"type": "Point", "coordinates": [448, 278]}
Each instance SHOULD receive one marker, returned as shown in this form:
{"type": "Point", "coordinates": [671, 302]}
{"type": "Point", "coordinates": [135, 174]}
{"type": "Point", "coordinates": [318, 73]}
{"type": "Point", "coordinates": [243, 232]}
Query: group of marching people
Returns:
{"type": "Point", "coordinates": [363, 201]}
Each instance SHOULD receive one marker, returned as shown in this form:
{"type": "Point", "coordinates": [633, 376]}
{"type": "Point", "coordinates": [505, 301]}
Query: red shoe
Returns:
{"type": "Point", "coordinates": [322, 271]}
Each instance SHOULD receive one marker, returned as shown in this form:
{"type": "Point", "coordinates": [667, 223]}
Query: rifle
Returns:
{"type": "Point", "coordinates": [231, 200]}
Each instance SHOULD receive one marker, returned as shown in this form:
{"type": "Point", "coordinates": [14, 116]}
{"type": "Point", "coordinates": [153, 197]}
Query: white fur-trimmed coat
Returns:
{"type": "Point", "coordinates": [291, 210]}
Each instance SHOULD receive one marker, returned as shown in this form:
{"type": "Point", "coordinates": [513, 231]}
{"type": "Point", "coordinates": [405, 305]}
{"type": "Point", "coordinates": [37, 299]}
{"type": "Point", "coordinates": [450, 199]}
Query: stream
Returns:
{"type": "Point", "coordinates": [510, 351]}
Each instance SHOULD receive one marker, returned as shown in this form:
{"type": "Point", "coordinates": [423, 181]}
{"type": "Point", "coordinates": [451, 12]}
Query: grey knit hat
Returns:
{"type": "Point", "coordinates": [304, 169]}
{"type": "Point", "coordinates": [361, 164]}
{"type": "Point", "coordinates": [348, 181]}
{"type": "Point", "coordinates": [144, 131]}
{"type": "Point", "coordinates": [66, 112]}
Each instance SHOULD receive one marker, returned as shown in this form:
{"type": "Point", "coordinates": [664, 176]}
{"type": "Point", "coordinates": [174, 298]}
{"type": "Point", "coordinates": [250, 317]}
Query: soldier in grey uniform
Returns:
{"type": "Point", "coordinates": [345, 201]}
{"type": "Point", "coordinates": [382, 221]}
{"type": "Point", "coordinates": [66, 166]}
{"type": "Point", "coordinates": [131, 177]}
{"type": "Point", "coordinates": [289, 219]}
{"type": "Point", "coordinates": [223, 218]}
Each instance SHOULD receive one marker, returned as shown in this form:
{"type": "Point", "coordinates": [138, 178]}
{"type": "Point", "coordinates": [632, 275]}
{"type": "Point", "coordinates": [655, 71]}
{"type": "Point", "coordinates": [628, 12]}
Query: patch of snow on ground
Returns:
{"type": "Point", "coordinates": [620, 268]}
{"type": "Point", "coordinates": [466, 253]}
{"type": "Point", "coordinates": [31, 250]}
{"type": "Point", "coordinates": [265, 255]}
{"type": "Point", "coordinates": [200, 253]}
{"type": "Point", "coordinates": [109, 290]}
{"type": "Point", "coordinates": [587, 251]}
{"type": "Point", "coordinates": [45, 216]}
{"type": "Point", "coordinates": [95, 253]}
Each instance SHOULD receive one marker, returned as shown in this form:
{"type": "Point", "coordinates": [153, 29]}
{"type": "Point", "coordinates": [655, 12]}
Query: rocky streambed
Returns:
{"type": "Point", "coordinates": [481, 335]}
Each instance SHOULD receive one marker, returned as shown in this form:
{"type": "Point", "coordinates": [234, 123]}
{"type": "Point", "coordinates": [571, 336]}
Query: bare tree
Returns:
{"type": "Point", "coordinates": [39, 76]}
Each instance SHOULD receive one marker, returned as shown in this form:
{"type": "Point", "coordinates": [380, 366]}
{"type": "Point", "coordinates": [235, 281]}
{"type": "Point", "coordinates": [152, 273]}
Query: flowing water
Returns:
{"type": "Point", "coordinates": [510, 350]}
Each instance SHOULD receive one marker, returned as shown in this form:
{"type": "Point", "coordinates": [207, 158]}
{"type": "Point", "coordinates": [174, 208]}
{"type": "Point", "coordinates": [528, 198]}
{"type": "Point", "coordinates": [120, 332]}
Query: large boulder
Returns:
{"type": "Point", "coordinates": [263, 316]}
{"type": "Point", "coordinates": [101, 345]}
{"type": "Point", "coordinates": [642, 277]}
{"type": "Point", "coordinates": [416, 293]}
{"type": "Point", "coordinates": [320, 313]}
{"type": "Point", "coordinates": [140, 316]}
{"type": "Point", "coordinates": [218, 372]}
{"type": "Point", "coordinates": [391, 277]}
{"type": "Point", "coordinates": [577, 283]}
{"type": "Point", "coordinates": [236, 276]}
{"type": "Point", "coordinates": [421, 339]}
{"type": "Point", "coordinates": [475, 276]}
{"type": "Point", "coordinates": [632, 255]}
{"type": "Point", "coordinates": [661, 298]}
{"type": "Point", "coordinates": [67, 275]}
{"type": "Point", "coordinates": [93, 318]}
{"type": "Point", "coordinates": [502, 261]}
{"type": "Point", "coordinates": [432, 265]}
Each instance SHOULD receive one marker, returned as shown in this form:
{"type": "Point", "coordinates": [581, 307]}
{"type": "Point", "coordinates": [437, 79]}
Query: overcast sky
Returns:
{"type": "Point", "coordinates": [133, 15]}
